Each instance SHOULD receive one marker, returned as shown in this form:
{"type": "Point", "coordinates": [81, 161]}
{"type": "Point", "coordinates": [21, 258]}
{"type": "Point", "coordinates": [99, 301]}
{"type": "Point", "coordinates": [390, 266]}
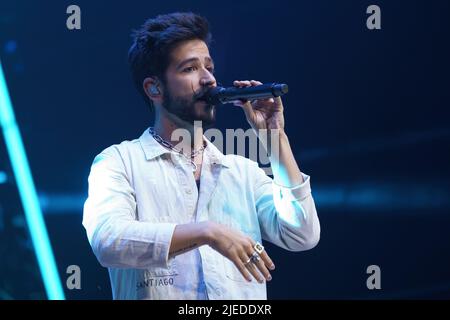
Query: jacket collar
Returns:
{"type": "Point", "coordinates": [153, 149]}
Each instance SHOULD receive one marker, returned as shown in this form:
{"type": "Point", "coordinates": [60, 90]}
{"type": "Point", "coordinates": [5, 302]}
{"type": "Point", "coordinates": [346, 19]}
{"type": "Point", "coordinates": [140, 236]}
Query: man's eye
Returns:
{"type": "Point", "coordinates": [211, 69]}
{"type": "Point", "coordinates": [188, 69]}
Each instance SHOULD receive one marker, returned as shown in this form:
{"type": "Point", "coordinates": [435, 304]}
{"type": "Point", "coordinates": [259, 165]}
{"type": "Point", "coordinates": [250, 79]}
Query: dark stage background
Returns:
{"type": "Point", "coordinates": [367, 116]}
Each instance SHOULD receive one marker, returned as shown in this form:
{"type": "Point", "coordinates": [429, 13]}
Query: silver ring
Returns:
{"type": "Point", "coordinates": [258, 247]}
{"type": "Point", "coordinates": [253, 258]}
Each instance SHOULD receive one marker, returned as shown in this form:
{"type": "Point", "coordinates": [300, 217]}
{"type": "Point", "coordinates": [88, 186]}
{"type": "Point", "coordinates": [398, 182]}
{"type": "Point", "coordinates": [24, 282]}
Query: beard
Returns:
{"type": "Point", "coordinates": [190, 109]}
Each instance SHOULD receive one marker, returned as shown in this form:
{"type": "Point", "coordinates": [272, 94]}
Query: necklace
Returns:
{"type": "Point", "coordinates": [170, 146]}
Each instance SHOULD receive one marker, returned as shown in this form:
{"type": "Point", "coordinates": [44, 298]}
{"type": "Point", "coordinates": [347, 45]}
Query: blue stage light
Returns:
{"type": "Point", "coordinates": [28, 196]}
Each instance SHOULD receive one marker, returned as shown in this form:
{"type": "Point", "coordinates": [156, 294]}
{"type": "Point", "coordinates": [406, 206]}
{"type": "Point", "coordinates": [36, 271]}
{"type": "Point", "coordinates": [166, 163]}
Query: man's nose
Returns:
{"type": "Point", "coordinates": [208, 80]}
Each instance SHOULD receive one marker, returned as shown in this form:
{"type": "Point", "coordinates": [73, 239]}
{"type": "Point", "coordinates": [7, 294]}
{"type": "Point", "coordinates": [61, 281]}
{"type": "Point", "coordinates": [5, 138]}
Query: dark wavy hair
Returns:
{"type": "Point", "coordinates": [149, 54]}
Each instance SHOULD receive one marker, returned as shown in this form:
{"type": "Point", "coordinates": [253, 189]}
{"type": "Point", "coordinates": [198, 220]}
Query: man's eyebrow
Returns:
{"type": "Point", "coordinates": [194, 59]}
{"type": "Point", "coordinates": [209, 59]}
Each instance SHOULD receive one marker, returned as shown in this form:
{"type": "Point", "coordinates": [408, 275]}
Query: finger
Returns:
{"type": "Point", "coordinates": [251, 267]}
{"type": "Point", "coordinates": [255, 83]}
{"type": "Point", "coordinates": [246, 106]}
{"type": "Point", "coordinates": [262, 268]}
{"type": "Point", "coordinates": [242, 83]}
{"type": "Point", "coordinates": [267, 261]}
{"type": "Point", "coordinates": [246, 254]}
{"type": "Point", "coordinates": [254, 271]}
{"type": "Point", "coordinates": [248, 110]}
{"type": "Point", "coordinates": [264, 256]}
{"type": "Point", "coordinates": [278, 101]}
{"type": "Point", "coordinates": [237, 83]}
{"type": "Point", "coordinates": [267, 102]}
{"type": "Point", "coordinates": [243, 270]}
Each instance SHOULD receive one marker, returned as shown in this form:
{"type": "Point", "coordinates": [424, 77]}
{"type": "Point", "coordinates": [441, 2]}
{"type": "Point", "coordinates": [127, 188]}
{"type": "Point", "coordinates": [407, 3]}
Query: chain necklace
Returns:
{"type": "Point", "coordinates": [170, 146]}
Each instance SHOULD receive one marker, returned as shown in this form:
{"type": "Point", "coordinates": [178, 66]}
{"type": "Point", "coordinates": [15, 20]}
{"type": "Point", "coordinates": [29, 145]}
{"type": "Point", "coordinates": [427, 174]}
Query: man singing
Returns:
{"type": "Point", "coordinates": [175, 218]}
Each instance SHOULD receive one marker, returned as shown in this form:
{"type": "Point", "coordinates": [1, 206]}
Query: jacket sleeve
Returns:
{"type": "Point", "coordinates": [287, 216]}
{"type": "Point", "coordinates": [117, 238]}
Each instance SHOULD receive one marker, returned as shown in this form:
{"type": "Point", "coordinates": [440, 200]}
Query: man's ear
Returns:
{"type": "Point", "coordinates": [152, 89]}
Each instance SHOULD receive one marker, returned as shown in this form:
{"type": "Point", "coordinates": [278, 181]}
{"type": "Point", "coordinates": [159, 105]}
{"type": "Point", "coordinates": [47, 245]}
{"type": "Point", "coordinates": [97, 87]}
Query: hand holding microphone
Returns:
{"type": "Point", "coordinates": [261, 103]}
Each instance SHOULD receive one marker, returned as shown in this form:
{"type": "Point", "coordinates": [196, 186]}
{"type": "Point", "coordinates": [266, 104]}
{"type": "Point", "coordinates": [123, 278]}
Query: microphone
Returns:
{"type": "Point", "coordinates": [217, 95]}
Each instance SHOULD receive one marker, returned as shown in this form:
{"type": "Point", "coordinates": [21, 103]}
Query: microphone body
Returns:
{"type": "Point", "coordinates": [218, 95]}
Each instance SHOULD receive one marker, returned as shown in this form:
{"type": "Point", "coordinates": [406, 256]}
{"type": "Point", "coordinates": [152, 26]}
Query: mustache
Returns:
{"type": "Point", "coordinates": [199, 94]}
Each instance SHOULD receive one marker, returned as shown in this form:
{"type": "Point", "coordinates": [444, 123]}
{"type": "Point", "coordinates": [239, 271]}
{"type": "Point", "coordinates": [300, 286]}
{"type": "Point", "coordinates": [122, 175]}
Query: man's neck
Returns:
{"type": "Point", "coordinates": [166, 128]}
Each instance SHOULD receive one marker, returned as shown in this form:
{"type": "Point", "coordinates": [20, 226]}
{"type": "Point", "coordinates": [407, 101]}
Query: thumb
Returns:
{"type": "Point", "coordinates": [246, 106]}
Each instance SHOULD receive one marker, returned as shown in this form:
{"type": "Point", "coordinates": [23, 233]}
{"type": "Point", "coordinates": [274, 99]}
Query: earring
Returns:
{"type": "Point", "coordinates": [154, 90]}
